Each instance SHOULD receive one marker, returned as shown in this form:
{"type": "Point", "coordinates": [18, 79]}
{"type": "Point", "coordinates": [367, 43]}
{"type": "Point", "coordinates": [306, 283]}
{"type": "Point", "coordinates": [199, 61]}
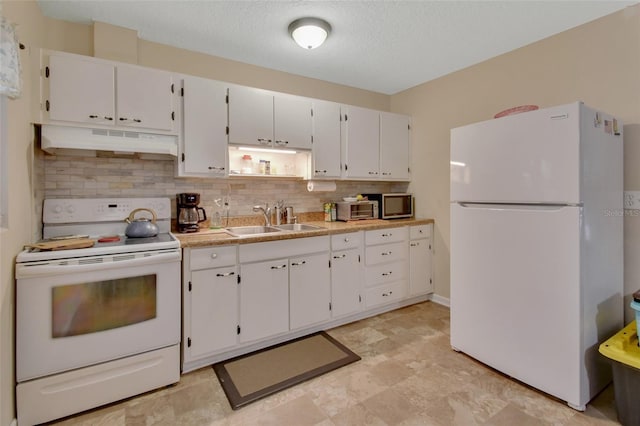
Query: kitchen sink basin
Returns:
{"type": "Point", "coordinates": [251, 230]}
{"type": "Point", "coordinates": [297, 227]}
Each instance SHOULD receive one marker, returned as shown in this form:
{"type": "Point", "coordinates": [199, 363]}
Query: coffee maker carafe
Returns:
{"type": "Point", "coordinates": [188, 212]}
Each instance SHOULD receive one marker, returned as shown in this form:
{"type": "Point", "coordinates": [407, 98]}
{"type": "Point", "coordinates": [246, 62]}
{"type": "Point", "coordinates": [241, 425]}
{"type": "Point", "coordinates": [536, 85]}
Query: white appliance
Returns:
{"type": "Point", "coordinates": [99, 324]}
{"type": "Point", "coordinates": [537, 246]}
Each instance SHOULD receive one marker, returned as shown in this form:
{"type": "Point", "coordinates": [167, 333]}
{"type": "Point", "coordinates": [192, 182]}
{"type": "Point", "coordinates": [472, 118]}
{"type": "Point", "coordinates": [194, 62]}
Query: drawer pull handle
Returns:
{"type": "Point", "coordinates": [279, 267]}
{"type": "Point", "coordinates": [227, 274]}
{"type": "Point", "coordinates": [387, 294]}
{"type": "Point", "coordinates": [415, 244]}
{"type": "Point", "coordinates": [340, 257]}
{"type": "Point", "coordinates": [214, 255]}
{"type": "Point", "coordinates": [385, 274]}
{"type": "Point", "coordinates": [385, 253]}
{"type": "Point", "coordinates": [298, 263]}
{"type": "Point", "coordinates": [387, 235]}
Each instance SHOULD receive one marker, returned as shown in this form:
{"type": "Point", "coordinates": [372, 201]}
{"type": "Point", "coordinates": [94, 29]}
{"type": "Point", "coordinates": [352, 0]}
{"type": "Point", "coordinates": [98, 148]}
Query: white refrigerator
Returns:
{"type": "Point", "coordinates": [536, 246]}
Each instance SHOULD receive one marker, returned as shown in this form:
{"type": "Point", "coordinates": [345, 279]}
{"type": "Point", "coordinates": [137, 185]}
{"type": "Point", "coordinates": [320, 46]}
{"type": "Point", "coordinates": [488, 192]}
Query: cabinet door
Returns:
{"type": "Point", "coordinates": [420, 281]}
{"type": "Point", "coordinates": [326, 139]}
{"type": "Point", "coordinates": [250, 116]}
{"type": "Point", "coordinates": [345, 282]}
{"type": "Point", "coordinates": [292, 122]}
{"type": "Point", "coordinates": [204, 127]}
{"type": "Point", "coordinates": [362, 142]}
{"type": "Point", "coordinates": [214, 310]}
{"type": "Point", "coordinates": [309, 290]}
{"type": "Point", "coordinates": [394, 146]}
{"type": "Point", "coordinates": [144, 98]}
{"type": "Point", "coordinates": [81, 90]}
{"type": "Point", "coordinates": [264, 299]}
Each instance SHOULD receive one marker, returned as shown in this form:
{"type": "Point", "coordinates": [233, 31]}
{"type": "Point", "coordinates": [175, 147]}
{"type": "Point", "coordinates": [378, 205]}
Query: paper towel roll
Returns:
{"type": "Point", "coordinates": [321, 186]}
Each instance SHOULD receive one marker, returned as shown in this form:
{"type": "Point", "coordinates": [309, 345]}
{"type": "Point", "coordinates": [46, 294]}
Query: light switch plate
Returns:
{"type": "Point", "coordinates": [632, 200]}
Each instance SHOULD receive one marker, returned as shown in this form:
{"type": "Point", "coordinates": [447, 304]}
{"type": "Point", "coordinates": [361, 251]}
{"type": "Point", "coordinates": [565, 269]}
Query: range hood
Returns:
{"type": "Point", "coordinates": [78, 140]}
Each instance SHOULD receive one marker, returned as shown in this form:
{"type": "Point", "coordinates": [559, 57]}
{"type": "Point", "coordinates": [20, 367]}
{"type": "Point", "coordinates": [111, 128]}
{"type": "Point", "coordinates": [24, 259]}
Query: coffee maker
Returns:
{"type": "Point", "coordinates": [188, 212]}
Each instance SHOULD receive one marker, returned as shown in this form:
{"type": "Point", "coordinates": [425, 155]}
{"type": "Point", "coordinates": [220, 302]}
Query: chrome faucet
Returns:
{"type": "Point", "coordinates": [266, 212]}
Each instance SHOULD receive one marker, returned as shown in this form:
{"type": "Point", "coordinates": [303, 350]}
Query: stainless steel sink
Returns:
{"type": "Point", "coordinates": [239, 231]}
{"type": "Point", "coordinates": [297, 227]}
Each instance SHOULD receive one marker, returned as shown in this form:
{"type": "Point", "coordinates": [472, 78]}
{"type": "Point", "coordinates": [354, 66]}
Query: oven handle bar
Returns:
{"type": "Point", "coordinates": [25, 270]}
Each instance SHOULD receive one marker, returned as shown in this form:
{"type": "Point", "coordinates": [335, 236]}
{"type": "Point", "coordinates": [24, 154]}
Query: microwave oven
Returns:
{"type": "Point", "coordinates": [393, 205]}
{"type": "Point", "coordinates": [357, 210]}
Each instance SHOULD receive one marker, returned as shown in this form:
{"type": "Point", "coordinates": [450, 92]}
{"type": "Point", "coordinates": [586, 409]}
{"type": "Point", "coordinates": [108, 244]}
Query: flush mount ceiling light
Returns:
{"type": "Point", "coordinates": [309, 33]}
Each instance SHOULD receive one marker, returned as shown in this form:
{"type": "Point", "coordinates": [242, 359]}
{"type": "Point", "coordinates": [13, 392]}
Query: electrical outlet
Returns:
{"type": "Point", "coordinates": [632, 200]}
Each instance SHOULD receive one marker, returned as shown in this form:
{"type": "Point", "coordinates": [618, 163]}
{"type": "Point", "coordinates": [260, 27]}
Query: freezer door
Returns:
{"type": "Point", "coordinates": [532, 157]}
{"type": "Point", "coordinates": [515, 293]}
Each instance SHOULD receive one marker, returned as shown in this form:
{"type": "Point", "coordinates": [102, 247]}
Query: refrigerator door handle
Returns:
{"type": "Point", "coordinates": [524, 207]}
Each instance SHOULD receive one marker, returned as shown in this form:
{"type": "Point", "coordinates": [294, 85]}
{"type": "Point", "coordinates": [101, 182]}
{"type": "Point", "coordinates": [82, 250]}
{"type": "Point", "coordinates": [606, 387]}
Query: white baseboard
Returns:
{"type": "Point", "coordinates": [441, 300]}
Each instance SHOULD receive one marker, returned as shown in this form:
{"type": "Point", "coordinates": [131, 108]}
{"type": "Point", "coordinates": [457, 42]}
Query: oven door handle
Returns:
{"type": "Point", "coordinates": [26, 270]}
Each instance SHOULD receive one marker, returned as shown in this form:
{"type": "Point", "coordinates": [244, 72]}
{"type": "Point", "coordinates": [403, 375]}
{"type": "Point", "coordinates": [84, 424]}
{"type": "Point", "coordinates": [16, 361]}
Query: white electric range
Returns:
{"type": "Point", "coordinates": [98, 324]}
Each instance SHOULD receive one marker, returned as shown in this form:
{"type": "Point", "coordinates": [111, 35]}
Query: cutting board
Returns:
{"type": "Point", "coordinates": [74, 243]}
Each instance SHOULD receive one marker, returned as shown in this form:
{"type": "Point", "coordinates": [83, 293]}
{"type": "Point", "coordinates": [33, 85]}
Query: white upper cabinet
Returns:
{"type": "Point", "coordinates": [292, 121]}
{"type": "Point", "coordinates": [144, 98]}
{"type": "Point", "coordinates": [326, 139]}
{"type": "Point", "coordinates": [204, 138]}
{"type": "Point", "coordinates": [90, 91]}
{"type": "Point", "coordinates": [361, 142]}
{"type": "Point", "coordinates": [81, 90]}
{"type": "Point", "coordinates": [394, 146]}
{"type": "Point", "coordinates": [250, 116]}
{"type": "Point", "coordinates": [376, 145]}
{"type": "Point", "coordinates": [260, 117]}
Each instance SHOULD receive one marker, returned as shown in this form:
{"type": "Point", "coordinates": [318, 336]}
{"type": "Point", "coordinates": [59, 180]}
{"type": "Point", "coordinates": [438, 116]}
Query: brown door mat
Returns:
{"type": "Point", "coordinates": [250, 377]}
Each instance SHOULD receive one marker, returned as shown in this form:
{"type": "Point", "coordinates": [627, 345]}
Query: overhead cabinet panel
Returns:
{"type": "Point", "coordinates": [144, 98]}
{"type": "Point", "coordinates": [326, 139]}
{"type": "Point", "coordinates": [361, 131]}
{"type": "Point", "coordinates": [81, 90]}
{"type": "Point", "coordinates": [394, 146]}
{"type": "Point", "coordinates": [292, 120]}
{"type": "Point", "coordinates": [250, 116]}
{"type": "Point", "coordinates": [204, 120]}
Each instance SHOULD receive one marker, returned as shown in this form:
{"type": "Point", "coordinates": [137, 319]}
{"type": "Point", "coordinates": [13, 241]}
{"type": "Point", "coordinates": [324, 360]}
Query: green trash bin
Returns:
{"type": "Point", "coordinates": [623, 351]}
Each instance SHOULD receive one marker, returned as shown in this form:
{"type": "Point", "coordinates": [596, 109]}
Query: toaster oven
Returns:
{"type": "Point", "coordinates": [356, 210]}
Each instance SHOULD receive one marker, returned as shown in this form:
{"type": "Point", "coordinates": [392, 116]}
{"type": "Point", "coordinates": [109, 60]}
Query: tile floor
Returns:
{"type": "Point", "coordinates": [408, 375]}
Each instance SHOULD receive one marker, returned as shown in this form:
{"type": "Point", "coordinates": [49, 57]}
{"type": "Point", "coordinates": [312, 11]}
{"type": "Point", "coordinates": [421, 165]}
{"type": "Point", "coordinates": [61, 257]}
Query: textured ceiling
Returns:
{"type": "Point", "coordinates": [383, 46]}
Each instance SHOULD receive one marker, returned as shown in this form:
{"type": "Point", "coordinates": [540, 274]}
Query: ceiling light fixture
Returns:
{"type": "Point", "coordinates": [309, 33]}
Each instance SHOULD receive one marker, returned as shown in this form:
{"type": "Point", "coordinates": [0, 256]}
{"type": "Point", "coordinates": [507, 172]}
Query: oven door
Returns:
{"type": "Point", "coordinates": [79, 312]}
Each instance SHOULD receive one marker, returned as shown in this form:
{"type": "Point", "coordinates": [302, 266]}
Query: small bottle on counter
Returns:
{"type": "Point", "coordinates": [333, 212]}
{"type": "Point", "coordinates": [327, 212]}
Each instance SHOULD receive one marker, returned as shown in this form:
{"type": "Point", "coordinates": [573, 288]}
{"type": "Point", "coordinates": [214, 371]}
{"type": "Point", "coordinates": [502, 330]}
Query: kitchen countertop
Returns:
{"type": "Point", "coordinates": [215, 237]}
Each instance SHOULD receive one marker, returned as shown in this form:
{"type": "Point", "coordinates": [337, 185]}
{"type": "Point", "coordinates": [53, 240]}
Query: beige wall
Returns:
{"type": "Point", "coordinates": [598, 63]}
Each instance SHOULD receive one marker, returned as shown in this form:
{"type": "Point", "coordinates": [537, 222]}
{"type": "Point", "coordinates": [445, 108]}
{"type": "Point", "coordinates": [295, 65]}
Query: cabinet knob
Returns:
{"type": "Point", "coordinates": [214, 255]}
{"type": "Point", "coordinates": [346, 240]}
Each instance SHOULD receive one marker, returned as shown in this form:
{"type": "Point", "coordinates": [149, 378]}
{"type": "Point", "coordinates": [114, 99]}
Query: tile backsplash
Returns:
{"type": "Point", "coordinates": [97, 177]}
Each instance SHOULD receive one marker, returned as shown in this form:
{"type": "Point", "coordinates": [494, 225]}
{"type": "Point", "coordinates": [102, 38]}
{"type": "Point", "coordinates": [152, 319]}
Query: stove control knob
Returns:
{"type": "Point", "coordinates": [57, 209]}
{"type": "Point", "coordinates": [71, 209]}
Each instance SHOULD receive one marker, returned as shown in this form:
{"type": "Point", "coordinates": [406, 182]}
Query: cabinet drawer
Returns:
{"type": "Point", "coordinates": [419, 231]}
{"type": "Point", "coordinates": [386, 253]}
{"type": "Point", "coordinates": [389, 235]}
{"type": "Point", "coordinates": [212, 257]}
{"type": "Point", "coordinates": [385, 273]}
{"type": "Point", "coordinates": [345, 241]}
{"type": "Point", "coordinates": [386, 293]}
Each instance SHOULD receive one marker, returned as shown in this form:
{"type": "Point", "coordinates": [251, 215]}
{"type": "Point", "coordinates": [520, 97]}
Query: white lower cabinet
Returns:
{"type": "Point", "coordinates": [346, 274]}
{"type": "Point", "coordinates": [264, 299]}
{"type": "Point", "coordinates": [210, 298]}
{"type": "Point", "coordinates": [420, 250]}
{"type": "Point", "coordinates": [284, 285]}
{"type": "Point", "coordinates": [240, 297]}
{"type": "Point", "coordinates": [386, 266]}
{"type": "Point", "coordinates": [309, 290]}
